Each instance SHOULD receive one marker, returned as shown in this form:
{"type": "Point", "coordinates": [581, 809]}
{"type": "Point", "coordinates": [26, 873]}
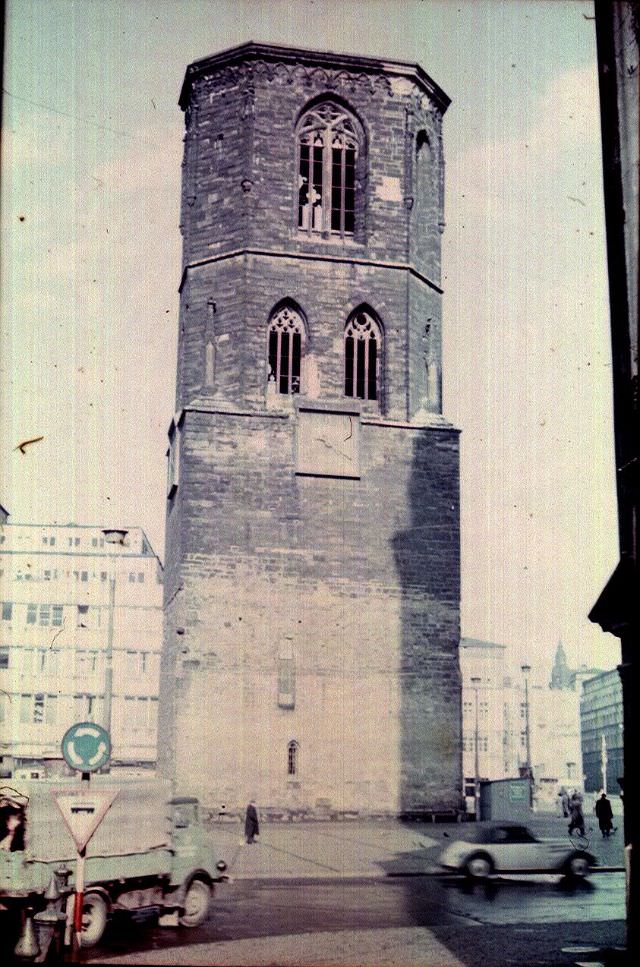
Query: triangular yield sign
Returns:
{"type": "Point", "coordinates": [83, 810]}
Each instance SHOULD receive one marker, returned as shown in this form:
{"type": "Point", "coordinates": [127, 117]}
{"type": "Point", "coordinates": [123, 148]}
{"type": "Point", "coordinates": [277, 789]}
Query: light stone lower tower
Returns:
{"type": "Point", "coordinates": [312, 581]}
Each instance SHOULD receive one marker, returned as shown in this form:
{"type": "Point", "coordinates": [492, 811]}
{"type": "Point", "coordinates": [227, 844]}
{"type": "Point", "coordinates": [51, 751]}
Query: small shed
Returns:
{"type": "Point", "coordinates": [505, 799]}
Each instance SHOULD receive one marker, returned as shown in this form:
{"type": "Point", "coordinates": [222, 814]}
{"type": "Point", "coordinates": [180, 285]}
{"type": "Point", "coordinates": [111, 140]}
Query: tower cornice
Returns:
{"type": "Point", "coordinates": [275, 54]}
{"type": "Point", "coordinates": [308, 257]}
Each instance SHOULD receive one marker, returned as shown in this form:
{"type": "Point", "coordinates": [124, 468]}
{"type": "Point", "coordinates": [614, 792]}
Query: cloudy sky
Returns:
{"type": "Point", "coordinates": [91, 253]}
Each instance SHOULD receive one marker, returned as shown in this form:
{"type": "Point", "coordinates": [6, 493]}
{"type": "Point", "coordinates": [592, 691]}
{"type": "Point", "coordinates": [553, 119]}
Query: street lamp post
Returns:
{"type": "Point", "coordinates": [476, 745]}
{"type": "Point", "coordinates": [115, 537]}
{"type": "Point", "coordinates": [108, 658]}
{"type": "Point", "coordinates": [604, 762]}
{"type": "Point", "coordinates": [525, 671]}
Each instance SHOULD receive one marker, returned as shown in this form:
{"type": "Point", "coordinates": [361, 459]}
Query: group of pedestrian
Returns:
{"type": "Point", "coordinates": [572, 810]}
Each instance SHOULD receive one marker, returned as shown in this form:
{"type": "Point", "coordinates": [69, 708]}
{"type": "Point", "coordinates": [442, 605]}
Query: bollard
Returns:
{"type": "Point", "coordinates": [27, 946]}
{"type": "Point", "coordinates": [52, 893]}
{"type": "Point", "coordinates": [50, 925]}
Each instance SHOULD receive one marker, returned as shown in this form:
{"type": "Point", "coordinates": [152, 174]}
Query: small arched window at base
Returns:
{"type": "Point", "coordinates": [362, 356]}
{"type": "Point", "coordinates": [285, 347]}
{"type": "Point", "coordinates": [292, 758]}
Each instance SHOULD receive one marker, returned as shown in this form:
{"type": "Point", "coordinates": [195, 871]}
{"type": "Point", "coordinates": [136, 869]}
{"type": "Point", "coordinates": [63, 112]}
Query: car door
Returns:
{"type": "Point", "coordinates": [518, 849]}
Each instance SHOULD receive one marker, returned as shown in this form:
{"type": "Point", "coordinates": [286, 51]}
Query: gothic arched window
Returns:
{"type": "Point", "coordinates": [292, 759]}
{"type": "Point", "coordinates": [362, 355]}
{"type": "Point", "coordinates": [328, 147]}
{"type": "Point", "coordinates": [286, 333]}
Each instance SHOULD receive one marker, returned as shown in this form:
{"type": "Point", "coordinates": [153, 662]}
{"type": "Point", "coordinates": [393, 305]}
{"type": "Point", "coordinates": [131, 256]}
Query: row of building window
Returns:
{"type": "Point", "coordinates": [41, 708]}
{"type": "Point", "coordinates": [468, 708]}
{"type": "Point", "coordinates": [362, 353]}
{"type": "Point", "coordinates": [468, 744]}
{"type": "Point", "coordinates": [73, 541]}
{"type": "Point", "coordinates": [52, 614]}
{"type": "Point", "coordinates": [51, 661]}
{"type": "Point", "coordinates": [52, 574]}
{"type": "Point", "coordinates": [51, 541]}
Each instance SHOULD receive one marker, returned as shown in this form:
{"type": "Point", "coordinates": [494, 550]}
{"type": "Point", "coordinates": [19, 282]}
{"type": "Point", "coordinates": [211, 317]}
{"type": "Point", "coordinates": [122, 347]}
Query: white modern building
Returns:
{"type": "Point", "coordinates": [80, 639]}
{"type": "Point", "coordinates": [517, 719]}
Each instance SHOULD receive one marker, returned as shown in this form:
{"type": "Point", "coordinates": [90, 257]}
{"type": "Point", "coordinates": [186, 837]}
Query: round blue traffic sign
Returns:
{"type": "Point", "coordinates": [86, 747]}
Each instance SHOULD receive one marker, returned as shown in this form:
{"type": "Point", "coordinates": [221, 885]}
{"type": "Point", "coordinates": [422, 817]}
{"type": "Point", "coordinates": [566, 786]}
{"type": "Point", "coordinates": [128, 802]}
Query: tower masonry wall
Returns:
{"type": "Point", "coordinates": [355, 579]}
{"type": "Point", "coordinates": [247, 288]}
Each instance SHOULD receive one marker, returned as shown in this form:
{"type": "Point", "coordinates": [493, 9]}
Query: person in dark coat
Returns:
{"type": "Point", "coordinates": [604, 812]}
{"type": "Point", "coordinates": [251, 827]}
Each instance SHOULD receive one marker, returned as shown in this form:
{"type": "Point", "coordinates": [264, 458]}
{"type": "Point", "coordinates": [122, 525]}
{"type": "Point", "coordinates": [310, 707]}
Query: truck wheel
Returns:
{"type": "Point", "coordinates": [95, 913]}
{"type": "Point", "coordinates": [196, 904]}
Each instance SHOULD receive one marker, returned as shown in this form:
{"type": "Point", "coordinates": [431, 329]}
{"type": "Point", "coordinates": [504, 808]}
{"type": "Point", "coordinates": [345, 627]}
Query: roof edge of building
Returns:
{"type": "Point", "coordinates": [253, 50]}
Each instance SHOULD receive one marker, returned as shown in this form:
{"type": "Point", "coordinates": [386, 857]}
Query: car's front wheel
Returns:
{"type": "Point", "coordinates": [479, 866]}
{"type": "Point", "coordinates": [577, 866]}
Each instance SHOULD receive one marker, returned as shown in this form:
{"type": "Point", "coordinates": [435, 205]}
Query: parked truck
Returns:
{"type": "Point", "coordinates": [150, 854]}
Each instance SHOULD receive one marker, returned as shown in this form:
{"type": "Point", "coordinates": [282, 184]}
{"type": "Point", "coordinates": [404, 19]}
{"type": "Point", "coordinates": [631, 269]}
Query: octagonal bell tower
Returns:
{"type": "Point", "coordinates": [312, 558]}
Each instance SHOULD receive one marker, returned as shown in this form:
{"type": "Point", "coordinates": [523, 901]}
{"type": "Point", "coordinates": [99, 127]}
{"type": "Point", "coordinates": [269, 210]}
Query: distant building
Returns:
{"type": "Point", "coordinates": [561, 676]}
{"type": "Point", "coordinates": [556, 754]}
{"type": "Point", "coordinates": [483, 668]}
{"type": "Point", "coordinates": [602, 731]}
{"type": "Point", "coordinates": [553, 715]}
{"type": "Point", "coordinates": [69, 595]}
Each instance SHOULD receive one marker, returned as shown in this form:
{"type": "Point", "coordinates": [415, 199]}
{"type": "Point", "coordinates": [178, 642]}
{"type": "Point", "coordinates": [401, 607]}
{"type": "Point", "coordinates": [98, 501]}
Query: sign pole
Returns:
{"type": "Point", "coordinates": [82, 853]}
{"type": "Point", "coordinates": [86, 747]}
{"type": "Point", "coordinates": [79, 899]}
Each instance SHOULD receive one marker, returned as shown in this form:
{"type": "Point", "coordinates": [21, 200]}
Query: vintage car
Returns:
{"type": "Point", "coordinates": [150, 854]}
{"type": "Point", "coordinates": [509, 848]}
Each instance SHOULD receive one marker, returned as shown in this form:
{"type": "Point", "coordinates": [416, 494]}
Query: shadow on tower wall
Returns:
{"type": "Point", "coordinates": [427, 557]}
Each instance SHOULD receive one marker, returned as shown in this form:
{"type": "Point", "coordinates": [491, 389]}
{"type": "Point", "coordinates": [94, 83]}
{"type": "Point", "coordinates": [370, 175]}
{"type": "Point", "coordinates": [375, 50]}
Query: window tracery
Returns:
{"type": "Point", "coordinates": [328, 146]}
{"type": "Point", "coordinates": [362, 354]}
{"type": "Point", "coordinates": [286, 332]}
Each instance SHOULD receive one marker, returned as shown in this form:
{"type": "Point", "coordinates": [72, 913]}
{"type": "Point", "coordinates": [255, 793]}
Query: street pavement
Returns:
{"type": "Point", "coordinates": [361, 848]}
{"type": "Point", "coordinates": [366, 893]}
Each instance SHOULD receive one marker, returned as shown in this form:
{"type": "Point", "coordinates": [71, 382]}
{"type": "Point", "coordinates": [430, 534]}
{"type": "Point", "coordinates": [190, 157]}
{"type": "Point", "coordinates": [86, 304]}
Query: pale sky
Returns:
{"type": "Point", "coordinates": [91, 264]}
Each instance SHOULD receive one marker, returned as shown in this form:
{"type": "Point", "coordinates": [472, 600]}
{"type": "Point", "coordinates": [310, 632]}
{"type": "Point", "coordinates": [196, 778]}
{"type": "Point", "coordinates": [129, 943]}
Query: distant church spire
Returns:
{"type": "Point", "coordinates": [561, 676]}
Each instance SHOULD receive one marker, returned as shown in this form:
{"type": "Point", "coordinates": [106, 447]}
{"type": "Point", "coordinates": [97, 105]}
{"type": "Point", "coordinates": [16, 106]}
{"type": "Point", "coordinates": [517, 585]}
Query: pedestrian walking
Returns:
{"type": "Point", "coordinates": [251, 826]}
{"type": "Point", "coordinates": [604, 812]}
{"type": "Point", "coordinates": [576, 816]}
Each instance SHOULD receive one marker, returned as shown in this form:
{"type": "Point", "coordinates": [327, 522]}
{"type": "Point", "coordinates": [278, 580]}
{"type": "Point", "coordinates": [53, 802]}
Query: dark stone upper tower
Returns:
{"type": "Point", "coordinates": [312, 559]}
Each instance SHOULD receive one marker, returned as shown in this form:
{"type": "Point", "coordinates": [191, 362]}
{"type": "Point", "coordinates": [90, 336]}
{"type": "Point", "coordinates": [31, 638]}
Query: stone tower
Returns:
{"type": "Point", "coordinates": [312, 558]}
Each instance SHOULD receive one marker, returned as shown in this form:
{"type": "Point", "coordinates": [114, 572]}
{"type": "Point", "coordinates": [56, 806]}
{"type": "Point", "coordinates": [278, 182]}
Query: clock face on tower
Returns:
{"type": "Point", "coordinates": [328, 443]}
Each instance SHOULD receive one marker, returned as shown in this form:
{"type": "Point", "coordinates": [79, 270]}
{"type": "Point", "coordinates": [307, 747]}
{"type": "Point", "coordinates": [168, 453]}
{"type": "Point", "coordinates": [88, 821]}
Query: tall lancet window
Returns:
{"type": "Point", "coordinates": [362, 356]}
{"type": "Point", "coordinates": [328, 149]}
{"type": "Point", "coordinates": [285, 348]}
